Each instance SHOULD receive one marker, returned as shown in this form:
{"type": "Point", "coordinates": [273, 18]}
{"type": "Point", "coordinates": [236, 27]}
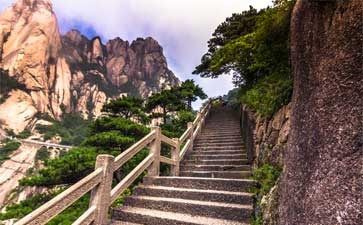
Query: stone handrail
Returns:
{"type": "Point", "coordinates": [39, 143]}
{"type": "Point", "coordinates": [99, 182]}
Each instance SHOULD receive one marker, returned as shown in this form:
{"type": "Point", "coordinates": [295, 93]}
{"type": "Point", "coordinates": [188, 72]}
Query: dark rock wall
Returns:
{"type": "Point", "coordinates": [265, 141]}
{"type": "Point", "coordinates": [322, 180]}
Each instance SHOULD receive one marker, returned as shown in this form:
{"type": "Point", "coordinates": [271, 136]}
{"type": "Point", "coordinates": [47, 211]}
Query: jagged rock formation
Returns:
{"type": "Point", "coordinates": [71, 73]}
{"type": "Point", "coordinates": [322, 181]}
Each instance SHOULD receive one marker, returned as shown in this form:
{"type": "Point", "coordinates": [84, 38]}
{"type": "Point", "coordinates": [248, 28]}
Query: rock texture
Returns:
{"type": "Point", "coordinates": [14, 169]}
{"type": "Point", "coordinates": [212, 186]}
{"type": "Point", "coordinates": [266, 143]}
{"type": "Point", "coordinates": [322, 180]}
{"type": "Point", "coordinates": [72, 73]}
{"type": "Point", "coordinates": [266, 139]}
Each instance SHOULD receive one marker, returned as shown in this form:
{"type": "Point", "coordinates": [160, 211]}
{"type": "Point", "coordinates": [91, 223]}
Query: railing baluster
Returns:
{"type": "Point", "coordinates": [190, 125]}
{"type": "Point", "coordinates": [155, 146]}
{"type": "Point", "coordinates": [101, 194]}
{"type": "Point", "coordinates": [175, 156]}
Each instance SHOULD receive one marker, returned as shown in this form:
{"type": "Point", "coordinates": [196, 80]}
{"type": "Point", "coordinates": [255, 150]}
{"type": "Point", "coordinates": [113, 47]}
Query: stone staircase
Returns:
{"type": "Point", "coordinates": [212, 186]}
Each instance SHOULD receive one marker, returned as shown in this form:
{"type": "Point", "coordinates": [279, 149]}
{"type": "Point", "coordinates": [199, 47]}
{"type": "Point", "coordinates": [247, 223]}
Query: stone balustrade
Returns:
{"type": "Point", "coordinates": [99, 182]}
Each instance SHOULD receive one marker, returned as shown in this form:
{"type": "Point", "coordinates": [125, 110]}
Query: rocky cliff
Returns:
{"type": "Point", "coordinates": [266, 143]}
{"type": "Point", "coordinates": [322, 178]}
{"type": "Point", "coordinates": [70, 73]}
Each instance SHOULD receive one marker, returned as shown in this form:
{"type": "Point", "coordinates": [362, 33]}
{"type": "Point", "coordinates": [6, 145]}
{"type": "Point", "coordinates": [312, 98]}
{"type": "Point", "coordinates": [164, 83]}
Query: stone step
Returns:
{"type": "Point", "coordinates": [239, 185]}
{"type": "Point", "coordinates": [114, 222]}
{"type": "Point", "coordinates": [221, 129]}
{"type": "Point", "coordinates": [215, 167]}
{"type": "Point", "coordinates": [217, 132]}
{"type": "Point", "coordinates": [194, 194]}
{"type": "Point", "coordinates": [220, 210]}
{"type": "Point", "coordinates": [230, 144]}
{"type": "Point", "coordinates": [220, 156]}
{"type": "Point", "coordinates": [201, 148]}
{"type": "Point", "coordinates": [157, 217]}
{"type": "Point", "coordinates": [218, 135]}
{"type": "Point", "coordinates": [218, 140]}
{"type": "Point", "coordinates": [216, 162]}
{"type": "Point", "coordinates": [217, 174]}
{"type": "Point", "coordinates": [217, 151]}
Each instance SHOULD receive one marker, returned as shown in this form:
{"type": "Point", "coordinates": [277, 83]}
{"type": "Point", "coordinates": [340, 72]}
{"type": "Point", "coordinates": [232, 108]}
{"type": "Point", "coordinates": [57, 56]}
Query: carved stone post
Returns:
{"type": "Point", "coordinates": [190, 125]}
{"type": "Point", "coordinates": [154, 169]}
{"type": "Point", "coordinates": [101, 194]}
{"type": "Point", "coordinates": [175, 156]}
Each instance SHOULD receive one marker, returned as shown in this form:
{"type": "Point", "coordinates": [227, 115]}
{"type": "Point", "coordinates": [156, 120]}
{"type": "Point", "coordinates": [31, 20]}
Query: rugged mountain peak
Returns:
{"type": "Point", "coordinates": [74, 36]}
{"type": "Point", "coordinates": [32, 5]}
{"type": "Point", "coordinates": [71, 73]}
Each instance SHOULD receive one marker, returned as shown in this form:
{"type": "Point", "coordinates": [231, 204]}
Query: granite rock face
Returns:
{"type": "Point", "coordinates": [322, 179]}
{"type": "Point", "coordinates": [71, 73]}
{"type": "Point", "coordinates": [265, 140]}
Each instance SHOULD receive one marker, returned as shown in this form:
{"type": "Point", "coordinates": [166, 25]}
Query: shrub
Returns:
{"type": "Point", "coordinates": [24, 134]}
{"type": "Point", "coordinates": [268, 95]}
{"type": "Point", "coordinates": [42, 154]}
{"type": "Point", "coordinates": [266, 176]}
{"type": "Point", "coordinates": [6, 150]}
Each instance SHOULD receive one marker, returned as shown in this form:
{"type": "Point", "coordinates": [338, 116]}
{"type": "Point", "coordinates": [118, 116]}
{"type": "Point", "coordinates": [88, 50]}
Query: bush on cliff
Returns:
{"type": "Point", "coordinates": [253, 46]}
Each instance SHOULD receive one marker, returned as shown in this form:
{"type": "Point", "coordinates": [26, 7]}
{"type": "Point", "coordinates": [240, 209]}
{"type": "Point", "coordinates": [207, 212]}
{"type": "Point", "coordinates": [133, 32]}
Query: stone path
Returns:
{"type": "Point", "coordinates": [211, 189]}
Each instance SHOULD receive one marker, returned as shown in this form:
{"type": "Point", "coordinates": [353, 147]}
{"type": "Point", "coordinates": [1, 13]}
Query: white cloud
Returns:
{"type": "Point", "coordinates": [182, 27]}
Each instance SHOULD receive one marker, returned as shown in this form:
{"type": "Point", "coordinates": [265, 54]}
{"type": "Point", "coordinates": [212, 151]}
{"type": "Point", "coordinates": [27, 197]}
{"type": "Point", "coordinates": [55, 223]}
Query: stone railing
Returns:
{"type": "Point", "coordinates": [99, 182]}
{"type": "Point", "coordinates": [39, 143]}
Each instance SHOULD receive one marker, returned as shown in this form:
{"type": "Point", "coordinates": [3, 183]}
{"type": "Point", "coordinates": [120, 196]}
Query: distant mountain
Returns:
{"type": "Point", "coordinates": [70, 73]}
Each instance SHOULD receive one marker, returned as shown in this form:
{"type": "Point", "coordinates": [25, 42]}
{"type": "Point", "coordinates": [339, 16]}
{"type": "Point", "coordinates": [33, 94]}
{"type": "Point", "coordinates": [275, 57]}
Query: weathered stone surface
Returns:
{"type": "Point", "coordinates": [268, 205]}
{"type": "Point", "coordinates": [265, 141]}
{"type": "Point", "coordinates": [17, 110]}
{"type": "Point", "coordinates": [322, 181]}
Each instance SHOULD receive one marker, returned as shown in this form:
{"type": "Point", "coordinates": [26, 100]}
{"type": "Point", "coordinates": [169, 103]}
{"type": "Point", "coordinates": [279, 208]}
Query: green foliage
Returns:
{"type": "Point", "coordinates": [266, 176]}
{"type": "Point", "coordinates": [167, 100]}
{"type": "Point", "coordinates": [254, 47]}
{"type": "Point", "coordinates": [72, 128]}
{"type": "Point", "coordinates": [175, 99]}
{"type": "Point", "coordinates": [190, 92]}
{"type": "Point", "coordinates": [7, 84]}
{"type": "Point", "coordinates": [124, 126]}
{"type": "Point", "coordinates": [109, 140]}
{"type": "Point", "coordinates": [7, 149]}
{"type": "Point", "coordinates": [72, 213]}
{"type": "Point", "coordinates": [24, 134]}
{"type": "Point", "coordinates": [127, 107]}
{"type": "Point", "coordinates": [42, 154]}
{"type": "Point", "coordinates": [26, 206]}
{"type": "Point", "coordinates": [177, 126]}
{"type": "Point", "coordinates": [108, 135]}
{"type": "Point", "coordinates": [268, 95]}
{"type": "Point", "coordinates": [73, 166]}
{"type": "Point", "coordinates": [257, 220]}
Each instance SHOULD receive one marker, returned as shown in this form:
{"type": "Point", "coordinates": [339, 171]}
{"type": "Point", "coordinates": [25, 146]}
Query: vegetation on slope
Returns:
{"type": "Point", "coordinates": [7, 84]}
{"type": "Point", "coordinates": [8, 148]}
{"type": "Point", "coordinates": [72, 128]}
{"type": "Point", "coordinates": [110, 134]}
{"type": "Point", "coordinates": [254, 47]}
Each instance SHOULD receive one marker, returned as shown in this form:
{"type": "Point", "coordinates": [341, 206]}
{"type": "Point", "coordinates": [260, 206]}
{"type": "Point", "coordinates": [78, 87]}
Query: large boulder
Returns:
{"type": "Point", "coordinates": [322, 180]}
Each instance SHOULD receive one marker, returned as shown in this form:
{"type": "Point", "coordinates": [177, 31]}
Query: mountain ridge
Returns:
{"type": "Point", "coordinates": [70, 73]}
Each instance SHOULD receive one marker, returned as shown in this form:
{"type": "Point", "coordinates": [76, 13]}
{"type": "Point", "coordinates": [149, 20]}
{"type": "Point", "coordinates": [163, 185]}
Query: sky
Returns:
{"type": "Point", "coordinates": [182, 27]}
